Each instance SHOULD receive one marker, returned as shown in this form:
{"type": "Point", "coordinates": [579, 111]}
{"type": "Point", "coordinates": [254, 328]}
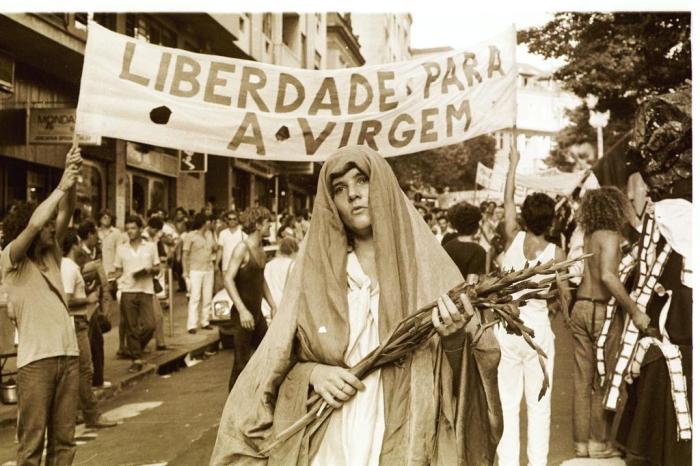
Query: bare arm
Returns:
{"type": "Point", "coordinates": [511, 221]}
{"type": "Point", "coordinates": [609, 243]}
{"type": "Point", "coordinates": [67, 204]}
{"type": "Point", "coordinates": [219, 254]}
{"type": "Point", "coordinates": [230, 276]}
{"type": "Point", "coordinates": [42, 214]}
{"type": "Point", "coordinates": [74, 303]}
{"type": "Point", "coordinates": [268, 297]}
{"type": "Point", "coordinates": [187, 245]}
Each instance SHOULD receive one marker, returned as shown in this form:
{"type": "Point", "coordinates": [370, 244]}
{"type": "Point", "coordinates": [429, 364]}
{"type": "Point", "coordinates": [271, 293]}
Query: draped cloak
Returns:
{"type": "Point", "coordinates": [426, 420]}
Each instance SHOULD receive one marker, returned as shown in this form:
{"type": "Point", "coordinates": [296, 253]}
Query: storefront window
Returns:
{"type": "Point", "coordinates": [147, 192]}
{"type": "Point", "coordinates": [36, 186]}
{"type": "Point", "coordinates": [241, 189]}
{"type": "Point", "coordinates": [159, 198]}
{"type": "Point", "coordinates": [89, 192]}
{"type": "Point", "coordinates": [139, 193]}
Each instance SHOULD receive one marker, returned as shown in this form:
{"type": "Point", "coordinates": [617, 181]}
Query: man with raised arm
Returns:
{"type": "Point", "coordinates": [47, 353]}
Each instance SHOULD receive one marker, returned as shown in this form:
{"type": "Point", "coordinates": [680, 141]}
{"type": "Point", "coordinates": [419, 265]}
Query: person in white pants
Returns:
{"type": "Point", "coordinates": [198, 256]}
{"type": "Point", "coordinates": [519, 370]}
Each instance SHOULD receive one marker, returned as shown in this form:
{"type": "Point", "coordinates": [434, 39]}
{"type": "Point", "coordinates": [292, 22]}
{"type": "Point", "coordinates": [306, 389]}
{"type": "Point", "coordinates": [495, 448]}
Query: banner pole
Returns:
{"type": "Point", "coordinates": [170, 302]}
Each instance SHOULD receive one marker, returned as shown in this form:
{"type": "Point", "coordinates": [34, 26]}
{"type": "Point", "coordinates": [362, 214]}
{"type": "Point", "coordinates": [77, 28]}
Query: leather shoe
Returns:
{"type": "Point", "coordinates": [135, 367]}
{"type": "Point", "coordinates": [100, 424]}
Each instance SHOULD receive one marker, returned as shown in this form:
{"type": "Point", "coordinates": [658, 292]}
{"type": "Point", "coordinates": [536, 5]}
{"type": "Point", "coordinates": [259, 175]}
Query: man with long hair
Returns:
{"type": "Point", "coordinates": [47, 352]}
{"type": "Point", "coordinates": [602, 217]}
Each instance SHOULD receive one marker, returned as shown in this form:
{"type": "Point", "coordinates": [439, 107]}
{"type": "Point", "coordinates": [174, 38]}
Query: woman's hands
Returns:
{"type": "Point", "coordinates": [334, 384]}
{"type": "Point", "coordinates": [447, 320]}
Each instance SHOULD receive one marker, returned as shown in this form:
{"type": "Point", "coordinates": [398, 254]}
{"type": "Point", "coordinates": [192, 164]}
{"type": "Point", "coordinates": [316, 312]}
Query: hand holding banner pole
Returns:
{"type": "Point", "coordinates": [72, 158]}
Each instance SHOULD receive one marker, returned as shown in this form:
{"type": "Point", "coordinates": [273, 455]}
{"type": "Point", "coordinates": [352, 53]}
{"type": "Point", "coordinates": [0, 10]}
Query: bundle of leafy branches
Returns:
{"type": "Point", "coordinates": [493, 293]}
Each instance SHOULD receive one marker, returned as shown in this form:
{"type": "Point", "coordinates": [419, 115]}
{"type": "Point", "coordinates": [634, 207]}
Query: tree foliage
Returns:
{"type": "Point", "coordinates": [451, 166]}
{"type": "Point", "coordinates": [619, 57]}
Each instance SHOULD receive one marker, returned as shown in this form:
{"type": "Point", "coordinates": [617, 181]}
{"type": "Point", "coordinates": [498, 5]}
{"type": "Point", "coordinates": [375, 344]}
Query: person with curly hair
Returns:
{"type": "Point", "coordinates": [602, 216]}
{"type": "Point", "coordinates": [519, 372]}
{"type": "Point", "coordinates": [244, 280]}
{"type": "Point", "coordinates": [47, 351]}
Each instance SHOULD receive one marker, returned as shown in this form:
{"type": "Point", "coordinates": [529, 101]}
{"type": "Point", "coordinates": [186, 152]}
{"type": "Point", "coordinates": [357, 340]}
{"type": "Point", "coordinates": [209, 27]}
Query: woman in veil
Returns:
{"type": "Point", "coordinates": [368, 261]}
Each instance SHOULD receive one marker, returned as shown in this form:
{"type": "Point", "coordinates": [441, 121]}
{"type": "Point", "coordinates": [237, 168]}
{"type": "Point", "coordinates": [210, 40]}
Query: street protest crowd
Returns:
{"type": "Point", "coordinates": [383, 332]}
{"type": "Point", "coordinates": [78, 271]}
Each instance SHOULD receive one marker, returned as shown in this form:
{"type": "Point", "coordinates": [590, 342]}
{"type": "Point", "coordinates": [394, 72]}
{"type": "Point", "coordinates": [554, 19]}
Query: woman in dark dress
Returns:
{"type": "Point", "coordinates": [245, 282]}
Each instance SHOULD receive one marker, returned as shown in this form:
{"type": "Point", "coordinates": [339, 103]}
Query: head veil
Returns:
{"type": "Point", "coordinates": [311, 326]}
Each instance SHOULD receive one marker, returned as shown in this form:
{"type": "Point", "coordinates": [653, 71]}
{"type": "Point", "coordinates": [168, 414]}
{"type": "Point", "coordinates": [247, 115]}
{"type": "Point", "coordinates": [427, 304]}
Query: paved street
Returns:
{"type": "Point", "coordinates": [173, 419]}
{"type": "Point", "coordinates": [163, 420]}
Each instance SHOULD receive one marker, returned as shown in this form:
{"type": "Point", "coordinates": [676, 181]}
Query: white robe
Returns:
{"type": "Point", "coordinates": [355, 431]}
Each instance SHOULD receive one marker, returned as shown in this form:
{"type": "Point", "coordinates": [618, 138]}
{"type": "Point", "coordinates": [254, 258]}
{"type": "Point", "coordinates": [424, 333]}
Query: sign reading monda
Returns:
{"type": "Point", "coordinates": [203, 103]}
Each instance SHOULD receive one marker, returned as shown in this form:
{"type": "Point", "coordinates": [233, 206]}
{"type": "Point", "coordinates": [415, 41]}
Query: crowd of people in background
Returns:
{"type": "Point", "coordinates": [94, 270]}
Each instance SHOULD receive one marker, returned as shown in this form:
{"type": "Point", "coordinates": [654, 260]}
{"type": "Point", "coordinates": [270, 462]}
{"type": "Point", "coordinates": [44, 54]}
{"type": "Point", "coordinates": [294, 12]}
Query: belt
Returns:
{"type": "Point", "coordinates": [593, 300]}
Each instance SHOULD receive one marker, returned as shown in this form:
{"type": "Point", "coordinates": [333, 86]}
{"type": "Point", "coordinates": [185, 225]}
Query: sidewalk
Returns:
{"type": "Point", "coordinates": [116, 370]}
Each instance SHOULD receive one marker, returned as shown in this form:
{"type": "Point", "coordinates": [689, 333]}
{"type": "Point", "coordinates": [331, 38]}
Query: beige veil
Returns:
{"type": "Point", "coordinates": [425, 423]}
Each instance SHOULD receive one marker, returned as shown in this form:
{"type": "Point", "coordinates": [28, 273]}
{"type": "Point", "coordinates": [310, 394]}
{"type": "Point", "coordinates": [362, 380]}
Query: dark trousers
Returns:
{"type": "Point", "coordinates": [137, 309]}
{"type": "Point", "coordinates": [245, 342]}
{"type": "Point", "coordinates": [177, 275]}
{"type": "Point", "coordinates": [97, 349]}
{"type": "Point", "coordinates": [47, 395]}
{"type": "Point", "coordinates": [88, 402]}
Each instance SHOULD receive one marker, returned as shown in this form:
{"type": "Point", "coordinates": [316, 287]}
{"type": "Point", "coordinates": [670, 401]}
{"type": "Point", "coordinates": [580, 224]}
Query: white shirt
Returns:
{"type": "Point", "coordinates": [168, 229]}
{"type": "Point", "coordinates": [535, 311]}
{"type": "Point", "coordinates": [73, 282]}
{"type": "Point", "coordinates": [356, 431]}
{"type": "Point", "coordinates": [228, 241]}
{"type": "Point", "coordinates": [276, 272]}
{"type": "Point", "coordinates": [132, 260]}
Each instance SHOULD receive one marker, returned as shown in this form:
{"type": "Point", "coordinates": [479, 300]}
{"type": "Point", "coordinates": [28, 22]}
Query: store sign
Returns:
{"type": "Point", "coordinates": [255, 167]}
{"type": "Point", "coordinates": [192, 162]}
{"type": "Point", "coordinates": [56, 126]}
{"type": "Point", "coordinates": [168, 97]}
{"type": "Point", "coordinates": [296, 168]}
{"type": "Point", "coordinates": [151, 160]}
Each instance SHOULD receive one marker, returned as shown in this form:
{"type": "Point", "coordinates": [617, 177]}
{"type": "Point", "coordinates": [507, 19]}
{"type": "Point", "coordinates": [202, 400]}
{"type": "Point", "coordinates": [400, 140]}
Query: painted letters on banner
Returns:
{"type": "Point", "coordinates": [168, 97]}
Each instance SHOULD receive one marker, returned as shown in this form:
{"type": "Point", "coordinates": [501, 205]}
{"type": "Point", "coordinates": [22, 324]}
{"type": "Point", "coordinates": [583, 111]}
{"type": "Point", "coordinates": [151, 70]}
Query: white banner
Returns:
{"type": "Point", "coordinates": [552, 182]}
{"type": "Point", "coordinates": [167, 97]}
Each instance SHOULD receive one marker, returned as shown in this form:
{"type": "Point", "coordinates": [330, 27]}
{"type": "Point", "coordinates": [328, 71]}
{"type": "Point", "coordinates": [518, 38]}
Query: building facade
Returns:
{"type": "Point", "coordinates": [296, 40]}
{"type": "Point", "coordinates": [384, 38]}
{"type": "Point", "coordinates": [343, 46]}
{"type": "Point", "coordinates": [41, 57]}
{"type": "Point", "coordinates": [541, 114]}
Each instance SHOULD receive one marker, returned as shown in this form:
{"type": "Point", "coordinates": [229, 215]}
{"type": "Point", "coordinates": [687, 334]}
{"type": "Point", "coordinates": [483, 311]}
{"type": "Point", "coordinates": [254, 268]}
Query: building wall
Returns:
{"type": "Point", "coordinates": [541, 107]}
{"type": "Point", "coordinates": [279, 38]}
{"type": "Point", "coordinates": [343, 47]}
{"type": "Point", "coordinates": [190, 191]}
{"type": "Point", "coordinates": [48, 52]}
{"type": "Point", "coordinates": [384, 37]}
